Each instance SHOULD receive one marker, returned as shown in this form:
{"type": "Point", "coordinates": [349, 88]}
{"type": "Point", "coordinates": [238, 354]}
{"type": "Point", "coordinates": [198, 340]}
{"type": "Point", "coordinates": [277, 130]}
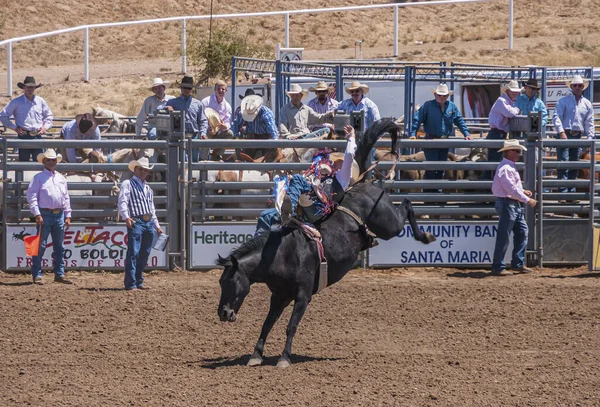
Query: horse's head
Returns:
{"type": "Point", "coordinates": [235, 286]}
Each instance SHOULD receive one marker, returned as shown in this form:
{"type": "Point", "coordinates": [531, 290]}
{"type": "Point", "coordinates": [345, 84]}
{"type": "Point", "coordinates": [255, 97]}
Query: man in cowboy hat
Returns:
{"type": "Point", "coordinates": [49, 201]}
{"type": "Point", "coordinates": [32, 117]}
{"type": "Point", "coordinates": [136, 206]}
{"type": "Point", "coordinates": [358, 101]}
{"type": "Point", "coordinates": [296, 117]}
{"type": "Point", "coordinates": [151, 103]}
{"type": "Point", "coordinates": [196, 125]}
{"type": "Point", "coordinates": [221, 116]}
{"type": "Point", "coordinates": [83, 127]}
{"type": "Point", "coordinates": [509, 193]}
{"type": "Point", "coordinates": [529, 101]}
{"type": "Point", "coordinates": [438, 117]}
{"type": "Point", "coordinates": [238, 110]}
{"type": "Point", "coordinates": [503, 109]}
{"type": "Point", "coordinates": [573, 119]}
{"type": "Point", "coordinates": [322, 103]}
{"type": "Point", "coordinates": [257, 120]}
{"type": "Point", "coordinates": [317, 190]}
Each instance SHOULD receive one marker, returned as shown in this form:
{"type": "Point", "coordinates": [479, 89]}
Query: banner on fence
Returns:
{"type": "Point", "coordinates": [456, 244]}
{"type": "Point", "coordinates": [91, 246]}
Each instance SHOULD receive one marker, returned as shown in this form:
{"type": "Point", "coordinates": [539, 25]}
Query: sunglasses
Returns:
{"type": "Point", "coordinates": [442, 96]}
{"type": "Point", "coordinates": [50, 159]}
{"type": "Point", "coordinates": [321, 91]}
{"type": "Point", "coordinates": [355, 91]}
{"type": "Point", "coordinates": [577, 85]}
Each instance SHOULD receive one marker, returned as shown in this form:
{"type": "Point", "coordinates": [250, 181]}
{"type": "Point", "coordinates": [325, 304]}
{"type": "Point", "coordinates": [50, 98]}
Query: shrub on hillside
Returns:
{"type": "Point", "coordinates": [213, 60]}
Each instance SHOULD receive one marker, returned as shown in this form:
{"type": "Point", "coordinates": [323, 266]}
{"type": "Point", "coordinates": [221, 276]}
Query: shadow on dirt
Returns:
{"type": "Point", "coordinates": [17, 283]}
{"type": "Point", "coordinates": [471, 274]}
{"type": "Point", "coordinates": [215, 363]}
{"type": "Point", "coordinates": [585, 275]}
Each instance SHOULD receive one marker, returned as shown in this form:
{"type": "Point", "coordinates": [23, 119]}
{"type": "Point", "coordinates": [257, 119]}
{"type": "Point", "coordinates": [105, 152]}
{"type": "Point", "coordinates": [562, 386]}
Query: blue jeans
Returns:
{"type": "Point", "coordinates": [493, 154]}
{"type": "Point", "coordinates": [435, 154]}
{"type": "Point", "coordinates": [317, 133]}
{"type": "Point", "coordinates": [29, 154]}
{"type": "Point", "coordinates": [511, 220]}
{"type": "Point", "coordinates": [139, 245]}
{"type": "Point", "coordinates": [298, 185]}
{"type": "Point", "coordinates": [54, 224]}
{"type": "Point", "coordinates": [152, 135]}
{"type": "Point", "coordinates": [568, 154]}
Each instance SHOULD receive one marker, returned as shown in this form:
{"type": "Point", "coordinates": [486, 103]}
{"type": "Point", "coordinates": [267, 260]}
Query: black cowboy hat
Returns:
{"type": "Point", "coordinates": [249, 92]}
{"type": "Point", "coordinates": [29, 81]}
{"type": "Point", "coordinates": [532, 83]}
{"type": "Point", "coordinates": [187, 82]}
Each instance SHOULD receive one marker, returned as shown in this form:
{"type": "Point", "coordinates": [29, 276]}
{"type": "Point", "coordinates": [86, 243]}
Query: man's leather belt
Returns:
{"type": "Point", "coordinates": [55, 211]}
{"type": "Point", "coordinates": [145, 217]}
{"type": "Point", "coordinates": [573, 132]}
{"type": "Point", "coordinates": [498, 130]}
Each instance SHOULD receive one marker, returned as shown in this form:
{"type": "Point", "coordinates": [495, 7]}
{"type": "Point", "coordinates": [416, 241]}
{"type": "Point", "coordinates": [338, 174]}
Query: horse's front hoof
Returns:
{"type": "Point", "coordinates": [283, 363]}
{"type": "Point", "coordinates": [254, 361]}
{"type": "Point", "coordinates": [429, 237]}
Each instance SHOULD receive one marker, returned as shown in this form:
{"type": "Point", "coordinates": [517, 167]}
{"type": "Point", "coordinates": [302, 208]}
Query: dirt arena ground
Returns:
{"type": "Point", "coordinates": [401, 337]}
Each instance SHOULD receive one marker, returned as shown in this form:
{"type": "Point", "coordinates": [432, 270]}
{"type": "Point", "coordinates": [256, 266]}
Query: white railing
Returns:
{"type": "Point", "coordinates": [183, 19]}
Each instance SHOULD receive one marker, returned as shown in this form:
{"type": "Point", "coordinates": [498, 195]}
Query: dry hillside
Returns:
{"type": "Point", "coordinates": [123, 59]}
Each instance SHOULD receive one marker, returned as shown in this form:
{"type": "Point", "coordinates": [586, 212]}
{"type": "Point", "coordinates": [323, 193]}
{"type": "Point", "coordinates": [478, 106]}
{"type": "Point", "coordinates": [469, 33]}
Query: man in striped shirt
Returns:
{"type": "Point", "coordinates": [136, 206]}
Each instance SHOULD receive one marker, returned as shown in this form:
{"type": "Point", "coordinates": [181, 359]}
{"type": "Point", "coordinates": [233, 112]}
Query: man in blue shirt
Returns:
{"type": "Point", "coordinates": [83, 127]}
{"type": "Point", "coordinates": [358, 101]}
{"type": "Point", "coordinates": [256, 121]}
{"type": "Point", "coordinates": [438, 117]}
{"type": "Point", "coordinates": [196, 124]}
{"type": "Point", "coordinates": [530, 102]}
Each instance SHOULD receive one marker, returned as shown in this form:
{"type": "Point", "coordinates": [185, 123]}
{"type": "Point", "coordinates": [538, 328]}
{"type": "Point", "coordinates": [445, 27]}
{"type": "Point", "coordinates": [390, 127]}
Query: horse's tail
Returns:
{"type": "Point", "coordinates": [370, 137]}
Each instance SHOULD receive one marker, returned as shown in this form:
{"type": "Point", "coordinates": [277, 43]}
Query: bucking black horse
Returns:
{"type": "Point", "coordinates": [288, 262]}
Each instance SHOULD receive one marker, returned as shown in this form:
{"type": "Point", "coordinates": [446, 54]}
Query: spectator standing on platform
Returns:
{"type": "Point", "coordinates": [322, 103]}
{"type": "Point", "coordinates": [49, 201]}
{"type": "Point", "coordinates": [151, 103]}
{"type": "Point", "coordinates": [529, 101]}
{"type": "Point", "coordinates": [136, 206]}
{"type": "Point", "coordinates": [358, 101]}
{"type": "Point", "coordinates": [83, 127]}
{"type": "Point", "coordinates": [509, 193]}
{"type": "Point", "coordinates": [296, 117]}
{"type": "Point", "coordinates": [222, 130]}
{"type": "Point", "coordinates": [573, 119]}
{"type": "Point", "coordinates": [438, 117]}
{"type": "Point", "coordinates": [32, 117]}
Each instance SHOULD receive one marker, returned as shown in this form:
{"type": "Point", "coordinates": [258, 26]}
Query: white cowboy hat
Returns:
{"type": "Point", "coordinates": [356, 85]}
{"type": "Point", "coordinates": [250, 107]}
{"type": "Point", "coordinates": [295, 89]}
{"type": "Point", "coordinates": [51, 154]}
{"type": "Point", "coordinates": [321, 85]}
{"type": "Point", "coordinates": [142, 162]}
{"type": "Point", "coordinates": [158, 82]}
{"type": "Point", "coordinates": [442, 90]}
{"type": "Point", "coordinates": [577, 79]}
{"type": "Point", "coordinates": [214, 120]}
{"type": "Point", "coordinates": [512, 145]}
{"type": "Point", "coordinates": [513, 86]}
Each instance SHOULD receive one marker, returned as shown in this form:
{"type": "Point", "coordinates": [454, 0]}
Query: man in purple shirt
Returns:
{"type": "Point", "coordinates": [49, 201]}
{"type": "Point", "coordinates": [322, 103]}
{"type": "Point", "coordinates": [509, 193]}
{"type": "Point", "coordinates": [32, 117]}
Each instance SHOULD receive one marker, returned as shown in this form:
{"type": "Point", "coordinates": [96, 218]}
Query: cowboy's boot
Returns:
{"type": "Point", "coordinates": [286, 210]}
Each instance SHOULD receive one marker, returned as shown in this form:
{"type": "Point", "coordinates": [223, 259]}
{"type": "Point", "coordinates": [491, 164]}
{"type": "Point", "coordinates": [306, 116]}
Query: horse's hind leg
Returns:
{"type": "Point", "coordinates": [278, 304]}
{"type": "Point", "coordinates": [299, 308]}
{"type": "Point", "coordinates": [407, 212]}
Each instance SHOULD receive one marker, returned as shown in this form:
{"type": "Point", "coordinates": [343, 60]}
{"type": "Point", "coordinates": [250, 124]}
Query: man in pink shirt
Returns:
{"type": "Point", "coordinates": [49, 201]}
{"type": "Point", "coordinates": [509, 193]}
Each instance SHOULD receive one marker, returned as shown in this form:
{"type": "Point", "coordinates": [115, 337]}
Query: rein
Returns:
{"type": "Point", "coordinates": [372, 167]}
{"type": "Point", "coordinates": [370, 236]}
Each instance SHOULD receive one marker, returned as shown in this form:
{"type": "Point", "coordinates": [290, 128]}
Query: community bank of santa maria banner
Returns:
{"type": "Point", "coordinates": [456, 244]}
{"type": "Point", "coordinates": [90, 247]}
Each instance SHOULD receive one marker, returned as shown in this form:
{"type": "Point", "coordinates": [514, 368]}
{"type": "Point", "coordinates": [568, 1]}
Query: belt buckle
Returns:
{"type": "Point", "coordinates": [56, 211]}
{"type": "Point", "coordinates": [146, 217]}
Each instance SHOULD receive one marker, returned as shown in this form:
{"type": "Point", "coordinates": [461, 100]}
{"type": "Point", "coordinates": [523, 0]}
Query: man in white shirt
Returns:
{"type": "Point", "coordinates": [150, 104]}
{"type": "Point", "coordinates": [218, 129]}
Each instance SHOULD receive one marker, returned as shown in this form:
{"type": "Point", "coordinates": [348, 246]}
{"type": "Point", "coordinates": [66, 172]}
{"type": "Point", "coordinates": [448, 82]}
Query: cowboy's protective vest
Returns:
{"type": "Point", "coordinates": [330, 190]}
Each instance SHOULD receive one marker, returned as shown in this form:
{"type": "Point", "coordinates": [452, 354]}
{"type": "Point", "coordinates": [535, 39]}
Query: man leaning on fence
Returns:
{"type": "Point", "coordinates": [296, 117]}
{"type": "Point", "coordinates": [32, 117]}
{"type": "Point", "coordinates": [503, 109]}
{"type": "Point", "coordinates": [49, 201]}
{"type": "Point", "coordinates": [83, 127]}
{"type": "Point", "coordinates": [509, 193]}
{"type": "Point", "coordinates": [151, 103]}
{"type": "Point", "coordinates": [256, 121]}
{"type": "Point", "coordinates": [573, 119]}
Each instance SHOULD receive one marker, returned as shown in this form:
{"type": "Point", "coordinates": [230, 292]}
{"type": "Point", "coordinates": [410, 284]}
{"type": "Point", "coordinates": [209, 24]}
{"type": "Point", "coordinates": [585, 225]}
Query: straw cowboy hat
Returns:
{"type": "Point", "coordinates": [249, 92]}
{"type": "Point", "coordinates": [512, 145]}
{"type": "Point", "coordinates": [356, 85]}
{"type": "Point", "coordinates": [29, 81]}
{"type": "Point", "coordinates": [295, 89]}
{"type": "Point", "coordinates": [250, 107]}
{"type": "Point", "coordinates": [50, 154]}
{"type": "Point", "coordinates": [442, 90]}
{"type": "Point", "coordinates": [213, 117]}
{"type": "Point", "coordinates": [532, 83]}
{"type": "Point", "coordinates": [142, 162]}
{"type": "Point", "coordinates": [86, 123]}
{"type": "Point", "coordinates": [321, 85]}
{"type": "Point", "coordinates": [577, 79]}
{"type": "Point", "coordinates": [513, 86]}
{"type": "Point", "coordinates": [158, 82]}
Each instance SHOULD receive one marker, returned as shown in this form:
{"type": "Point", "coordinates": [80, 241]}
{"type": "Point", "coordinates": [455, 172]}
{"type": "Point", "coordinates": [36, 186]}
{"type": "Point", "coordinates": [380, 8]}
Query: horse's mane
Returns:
{"type": "Point", "coordinates": [257, 242]}
{"type": "Point", "coordinates": [370, 137]}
